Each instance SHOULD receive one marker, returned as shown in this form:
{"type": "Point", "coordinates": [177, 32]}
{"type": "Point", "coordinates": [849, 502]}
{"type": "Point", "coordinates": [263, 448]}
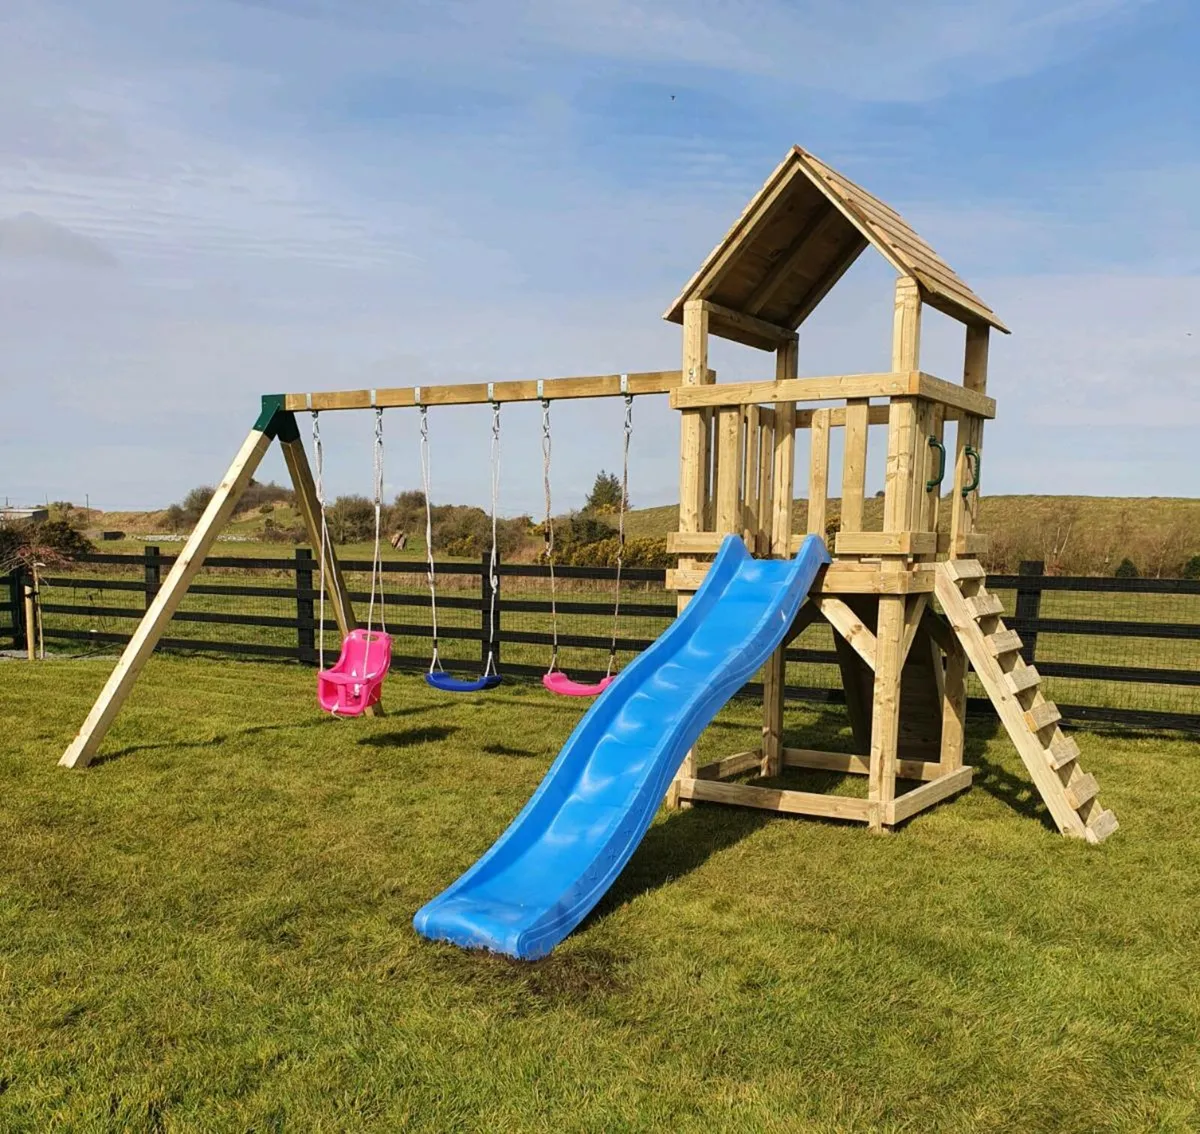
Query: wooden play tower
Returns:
{"type": "Point", "coordinates": [908, 604]}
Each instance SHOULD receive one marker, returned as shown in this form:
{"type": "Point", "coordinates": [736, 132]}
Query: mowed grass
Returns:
{"type": "Point", "coordinates": [210, 930]}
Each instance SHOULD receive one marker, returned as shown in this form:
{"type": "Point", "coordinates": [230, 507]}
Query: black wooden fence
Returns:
{"type": "Point", "coordinates": [1117, 651]}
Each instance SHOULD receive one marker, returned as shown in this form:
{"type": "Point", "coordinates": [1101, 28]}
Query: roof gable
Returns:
{"type": "Point", "coordinates": [798, 236]}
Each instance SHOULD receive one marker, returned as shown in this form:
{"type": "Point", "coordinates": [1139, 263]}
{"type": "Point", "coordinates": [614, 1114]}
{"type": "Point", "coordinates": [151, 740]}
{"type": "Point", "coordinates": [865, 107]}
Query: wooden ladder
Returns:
{"type": "Point", "coordinates": [1032, 721]}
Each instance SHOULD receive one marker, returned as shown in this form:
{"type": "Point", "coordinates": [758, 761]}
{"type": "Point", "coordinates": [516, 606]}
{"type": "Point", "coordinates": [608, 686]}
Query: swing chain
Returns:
{"type": "Point", "coordinates": [376, 555]}
{"type": "Point", "coordinates": [612, 653]}
{"type": "Point", "coordinates": [426, 484]}
{"type": "Point", "coordinates": [493, 563]}
{"type": "Point", "coordinates": [319, 462]}
{"type": "Point", "coordinates": [548, 534]}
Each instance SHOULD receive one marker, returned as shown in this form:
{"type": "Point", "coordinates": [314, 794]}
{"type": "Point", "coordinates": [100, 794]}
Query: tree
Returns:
{"type": "Point", "coordinates": [606, 494]}
{"type": "Point", "coordinates": [174, 518]}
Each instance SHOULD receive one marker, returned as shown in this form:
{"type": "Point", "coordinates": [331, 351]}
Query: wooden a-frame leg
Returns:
{"type": "Point", "coordinates": [885, 715]}
{"type": "Point", "coordinates": [307, 501]}
{"type": "Point", "coordinates": [81, 750]}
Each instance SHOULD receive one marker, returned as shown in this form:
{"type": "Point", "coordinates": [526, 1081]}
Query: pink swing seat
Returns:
{"type": "Point", "coordinates": [355, 682]}
{"type": "Point", "coordinates": [559, 682]}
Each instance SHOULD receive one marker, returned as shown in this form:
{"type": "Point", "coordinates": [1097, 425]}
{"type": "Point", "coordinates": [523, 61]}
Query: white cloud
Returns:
{"type": "Point", "coordinates": [271, 238]}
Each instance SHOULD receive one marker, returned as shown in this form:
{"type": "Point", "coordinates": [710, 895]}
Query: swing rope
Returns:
{"type": "Point", "coordinates": [426, 486]}
{"type": "Point", "coordinates": [319, 461]}
{"type": "Point", "coordinates": [493, 563]}
{"type": "Point", "coordinates": [612, 653]}
{"type": "Point", "coordinates": [376, 556]}
{"type": "Point", "coordinates": [548, 534]}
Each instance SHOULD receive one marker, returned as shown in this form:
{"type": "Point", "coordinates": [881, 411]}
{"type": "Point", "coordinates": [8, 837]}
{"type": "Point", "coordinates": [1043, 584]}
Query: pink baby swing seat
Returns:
{"type": "Point", "coordinates": [355, 682]}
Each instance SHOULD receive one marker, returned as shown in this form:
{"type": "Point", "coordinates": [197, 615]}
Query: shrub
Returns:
{"type": "Point", "coordinates": [1191, 569]}
{"type": "Point", "coordinates": [1126, 569]}
{"type": "Point", "coordinates": [47, 541]}
{"type": "Point", "coordinates": [194, 503]}
{"type": "Point", "coordinates": [266, 509]}
{"type": "Point", "coordinates": [641, 552]}
{"type": "Point", "coordinates": [283, 533]}
{"type": "Point", "coordinates": [258, 496]}
{"type": "Point", "coordinates": [175, 518]}
{"type": "Point", "coordinates": [350, 519]}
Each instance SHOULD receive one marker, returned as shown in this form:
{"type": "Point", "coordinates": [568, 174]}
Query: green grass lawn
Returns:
{"type": "Point", "coordinates": [210, 930]}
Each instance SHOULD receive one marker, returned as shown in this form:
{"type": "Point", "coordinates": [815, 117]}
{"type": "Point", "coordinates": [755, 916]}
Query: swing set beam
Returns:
{"type": "Point", "coordinates": [484, 393]}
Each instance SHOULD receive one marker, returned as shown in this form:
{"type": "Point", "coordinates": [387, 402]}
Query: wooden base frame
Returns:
{"type": "Point", "coordinates": [710, 785]}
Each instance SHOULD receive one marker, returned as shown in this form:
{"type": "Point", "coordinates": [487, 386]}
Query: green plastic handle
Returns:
{"type": "Point", "coordinates": [972, 458]}
{"type": "Point", "coordinates": [934, 443]}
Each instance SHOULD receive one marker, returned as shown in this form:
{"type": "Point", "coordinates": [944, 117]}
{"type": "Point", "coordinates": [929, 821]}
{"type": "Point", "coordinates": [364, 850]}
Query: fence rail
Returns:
{"type": "Point", "coordinates": [1115, 651]}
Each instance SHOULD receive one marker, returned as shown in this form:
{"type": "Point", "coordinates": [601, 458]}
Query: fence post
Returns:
{"type": "Point", "coordinates": [1029, 604]}
{"type": "Point", "coordinates": [489, 642]}
{"type": "Point", "coordinates": [16, 594]}
{"type": "Point", "coordinates": [153, 572]}
{"type": "Point", "coordinates": [306, 638]}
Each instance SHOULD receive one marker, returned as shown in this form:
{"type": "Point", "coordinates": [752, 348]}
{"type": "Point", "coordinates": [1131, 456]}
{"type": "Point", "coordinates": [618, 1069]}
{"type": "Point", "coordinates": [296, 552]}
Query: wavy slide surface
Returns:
{"type": "Point", "coordinates": [570, 841]}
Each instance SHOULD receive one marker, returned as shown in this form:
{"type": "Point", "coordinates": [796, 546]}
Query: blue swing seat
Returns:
{"type": "Point", "coordinates": [449, 684]}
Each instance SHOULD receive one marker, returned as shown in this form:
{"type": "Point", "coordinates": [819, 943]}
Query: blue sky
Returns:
{"type": "Point", "coordinates": [203, 201]}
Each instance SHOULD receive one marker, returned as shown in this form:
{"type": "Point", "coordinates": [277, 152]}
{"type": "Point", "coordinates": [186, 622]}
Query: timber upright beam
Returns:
{"type": "Point", "coordinates": [899, 480]}
{"type": "Point", "coordinates": [694, 447]}
{"type": "Point", "coordinates": [139, 648]}
{"type": "Point", "coordinates": [782, 489]}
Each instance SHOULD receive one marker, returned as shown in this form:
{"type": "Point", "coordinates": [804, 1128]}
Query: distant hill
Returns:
{"type": "Point", "coordinates": [1087, 535]}
{"type": "Point", "coordinates": [1072, 534]}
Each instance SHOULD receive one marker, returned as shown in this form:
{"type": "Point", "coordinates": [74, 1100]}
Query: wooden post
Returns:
{"type": "Point", "coordinates": [1028, 606]}
{"type": "Point", "coordinates": [16, 604]}
{"type": "Point", "coordinates": [897, 517]}
{"type": "Point", "coordinates": [728, 493]}
{"type": "Point", "coordinates": [139, 648]}
{"type": "Point", "coordinates": [818, 473]}
{"type": "Point", "coordinates": [854, 464]}
{"type": "Point", "coordinates": [694, 448]}
{"type": "Point", "coordinates": [30, 623]}
{"type": "Point", "coordinates": [306, 635]}
{"type": "Point", "coordinates": [954, 706]}
{"type": "Point", "coordinates": [964, 510]}
{"type": "Point", "coordinates": [782, 476]}
{"type": "Point", "coordinates": [152, 572]}
{"type": "Point", "coordinates": [885, 714]}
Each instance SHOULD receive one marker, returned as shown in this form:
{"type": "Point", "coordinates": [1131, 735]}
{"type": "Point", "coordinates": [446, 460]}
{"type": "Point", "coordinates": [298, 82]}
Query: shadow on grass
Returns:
{"type": "Point", "coordinates": [223, 737]}
{"type": "Point", "coordinates": [674, 848]}
{"type": "Point", "coordinates": [1015, 791]}
{"type": "Point", "coordinates": [505, 750]}
{"type": "Point", "coordinates": [407, 737]}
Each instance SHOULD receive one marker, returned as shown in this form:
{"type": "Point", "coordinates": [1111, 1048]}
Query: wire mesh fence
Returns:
{"type": "Point", "coordinates": [1120, 650]}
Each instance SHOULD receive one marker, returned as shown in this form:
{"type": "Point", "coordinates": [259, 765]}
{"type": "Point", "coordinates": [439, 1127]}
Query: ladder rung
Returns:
{"type": "Point", "coordinates": [1022, 678]}
{"type": "Point", "coordinates": [1081, 790]}
{"type": "Point", "coordinates": [1062, 751]}
{"type": "Point", "coordinates": [1101, 827]}
{"type": "Point", "coordinates": [1003, 642]}
{"type": "Point", "coordinates": [964, 569]}
{"type": "Point", "coordinates": [983, 606]}
{"type": "Point", "coordinates": [1042, 716]}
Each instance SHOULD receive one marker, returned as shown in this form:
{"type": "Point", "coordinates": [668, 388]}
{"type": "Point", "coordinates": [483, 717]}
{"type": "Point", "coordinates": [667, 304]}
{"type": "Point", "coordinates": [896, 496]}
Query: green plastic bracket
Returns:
{"type": "Point", "coordinates": [971, 456]}
{"type": "Point", "coordinates": [275, 421]}
{"type": "Point", "coordinates": [934, 443]}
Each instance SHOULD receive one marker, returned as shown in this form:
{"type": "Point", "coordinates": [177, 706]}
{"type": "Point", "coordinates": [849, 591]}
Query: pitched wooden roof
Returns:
{"type": "Point", "coordinates": [796, 239]}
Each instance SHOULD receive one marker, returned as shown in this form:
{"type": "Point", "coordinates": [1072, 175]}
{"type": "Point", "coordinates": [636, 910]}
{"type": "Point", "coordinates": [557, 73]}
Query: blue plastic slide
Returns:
{"type": "Point", "coordinates": [571, 840]}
